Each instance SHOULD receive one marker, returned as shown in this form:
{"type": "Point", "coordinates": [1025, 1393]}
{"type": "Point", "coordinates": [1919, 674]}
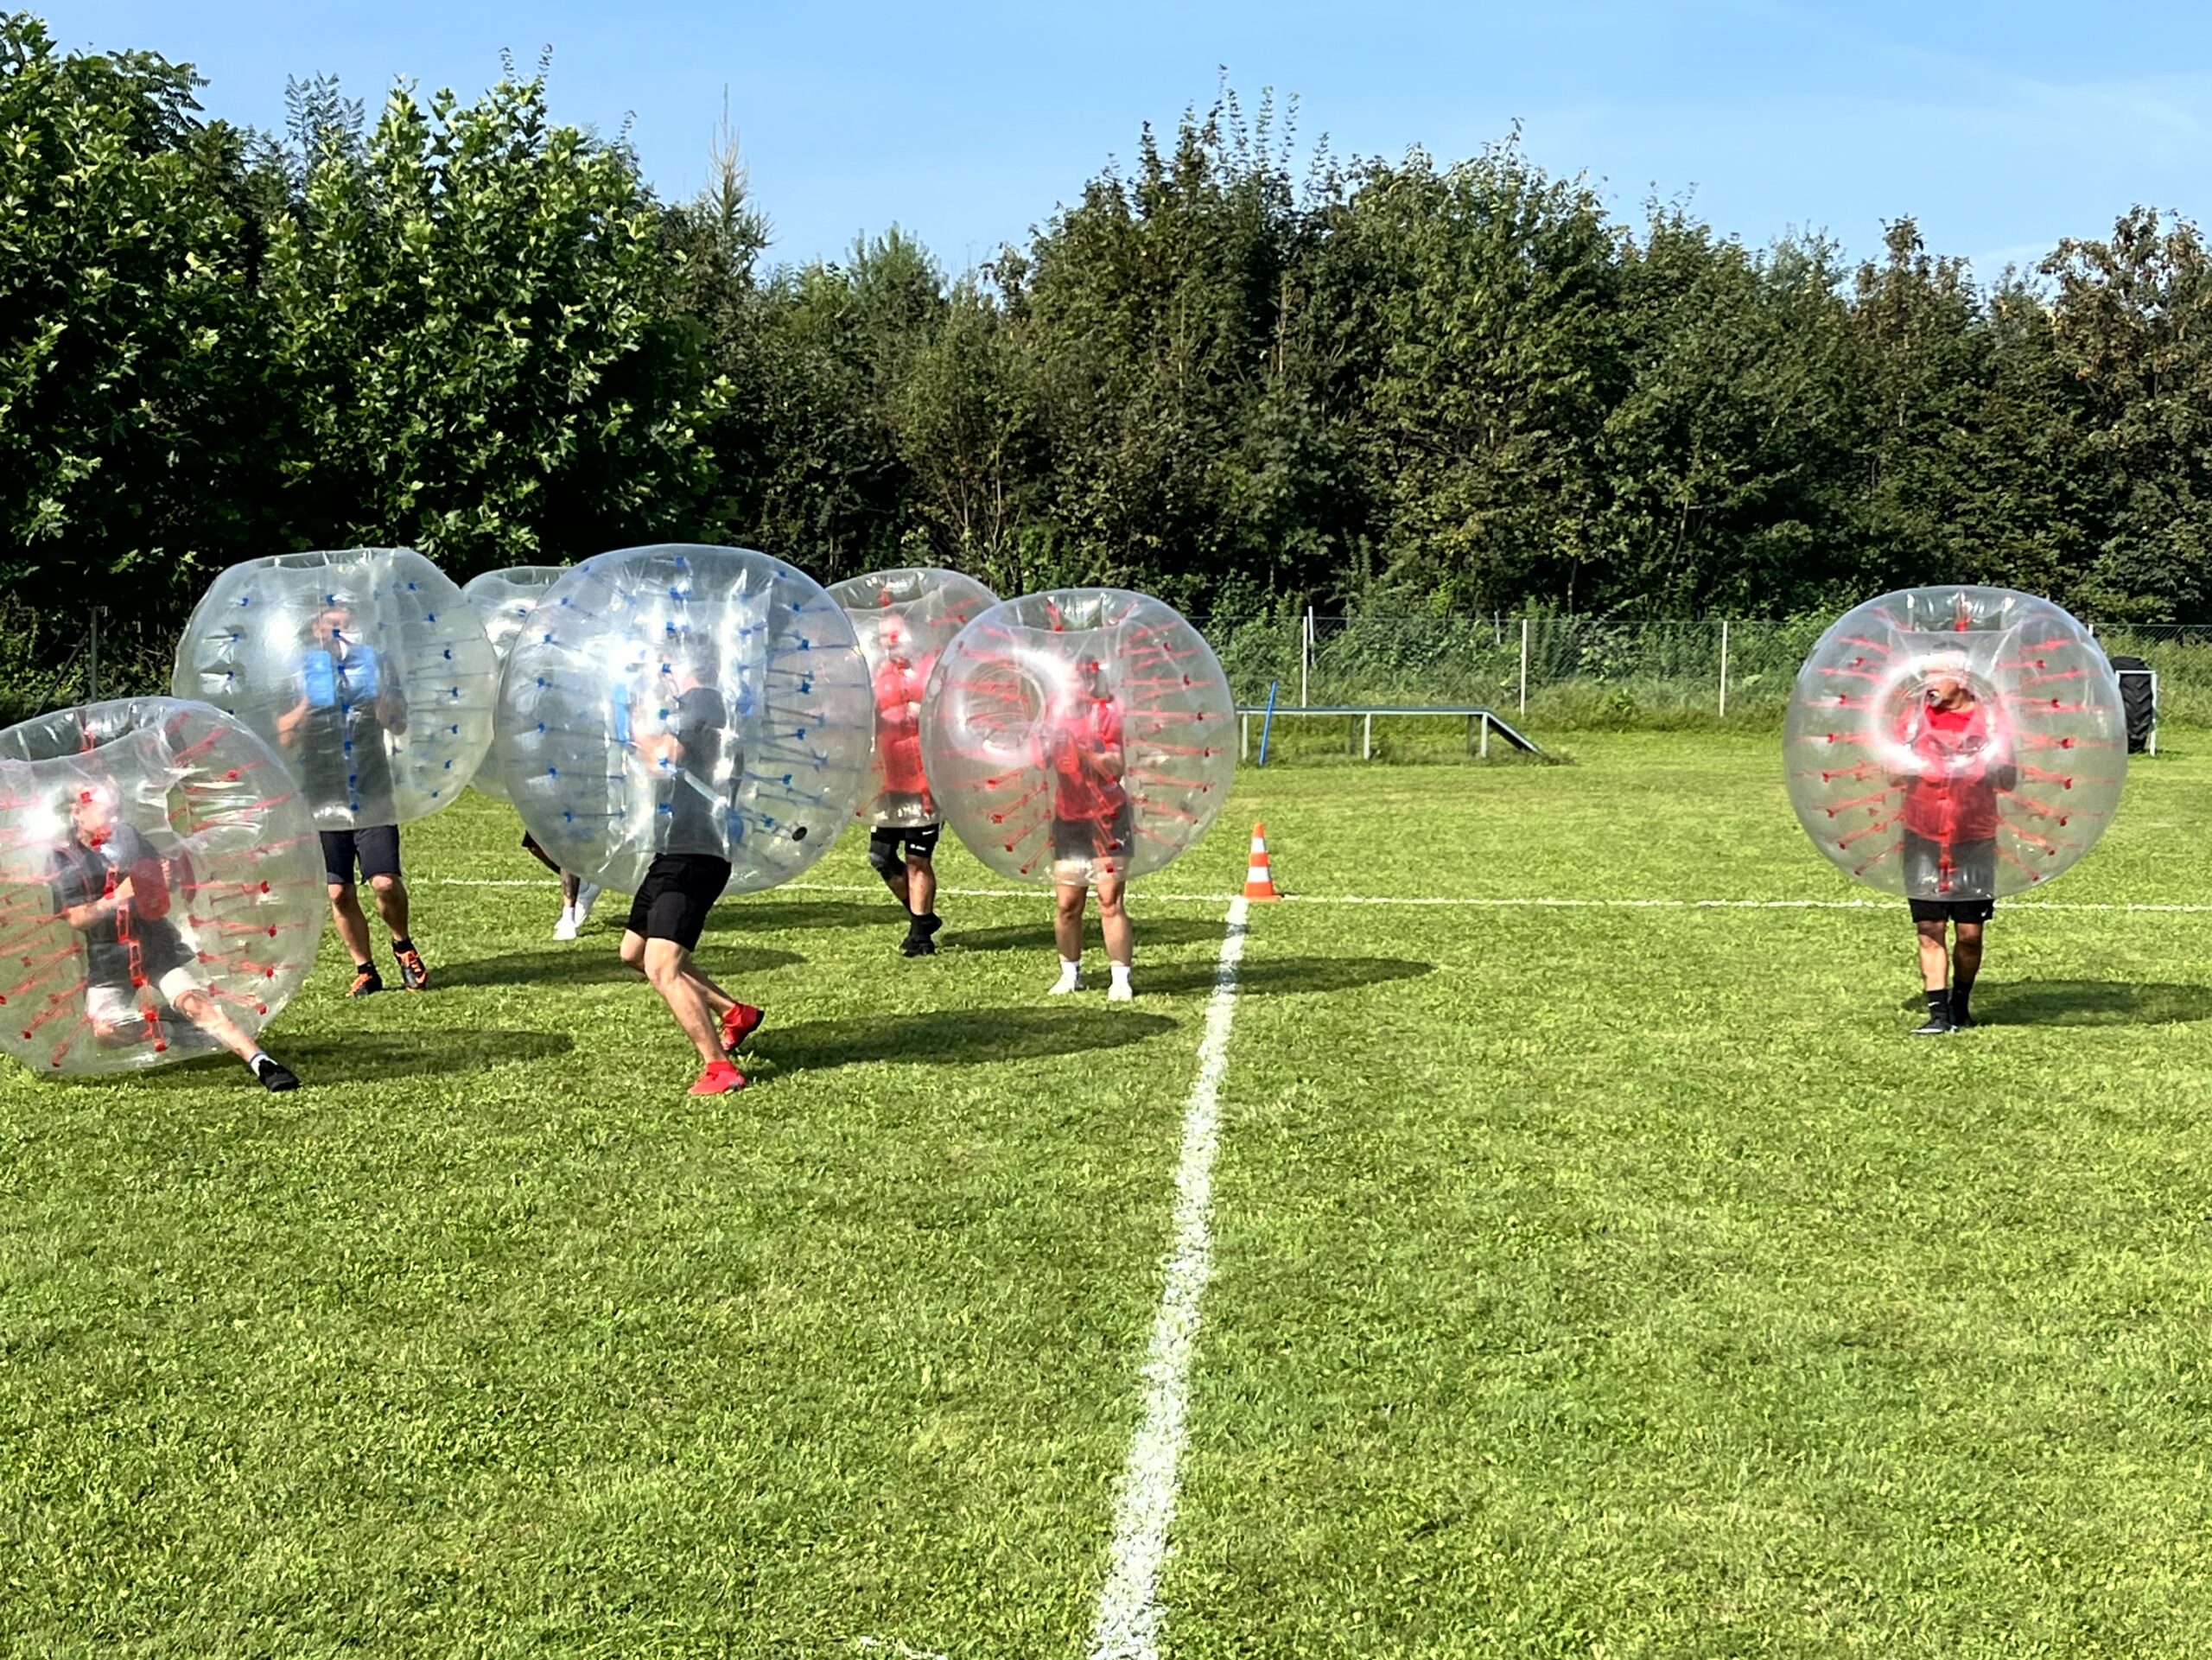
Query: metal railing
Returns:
{"type": "Point", "coordinates": [1507, 663]}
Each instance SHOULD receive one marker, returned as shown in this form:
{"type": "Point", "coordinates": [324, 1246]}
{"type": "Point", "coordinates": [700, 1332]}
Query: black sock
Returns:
{"type": "Point", "coordinates": [1939, 1005]}
{"type": "Point", "coordinates": [1959, 994]}
{"type": "Point", "coordinates": [364, 968]}
{"type": "Point", "coordinates": [401, 947]}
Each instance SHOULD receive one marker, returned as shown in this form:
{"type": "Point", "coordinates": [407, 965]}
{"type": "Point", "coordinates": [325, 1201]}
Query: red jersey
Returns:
{"type": "Point", "coordinates": [899, 726]}
{"type": "Point", "coordinates": [1081, 736]}
{"type": "Point", "coordinates": [1953, 796]}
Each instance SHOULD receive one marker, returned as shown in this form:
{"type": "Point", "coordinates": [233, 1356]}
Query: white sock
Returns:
{"type": "Point", "coordinates": [1121, 974]}
{"type": "Point", "coordinates": [253, 1061]}
{"type": "Point", "coordinates": [1070, 973]}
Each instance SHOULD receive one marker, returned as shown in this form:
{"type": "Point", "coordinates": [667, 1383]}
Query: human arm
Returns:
{"type": "Point", "coordinates": [94, 912]}
{"type": "Point", "coordinates": [290, 721]}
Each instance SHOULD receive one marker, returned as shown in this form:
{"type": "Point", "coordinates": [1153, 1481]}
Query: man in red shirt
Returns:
{"type": "Point", "coordinates": [898, 682]}
{"type": "Point", "coordinates": [1959, 760]}
{"type": "Point", "coordinates": [1093, 824]}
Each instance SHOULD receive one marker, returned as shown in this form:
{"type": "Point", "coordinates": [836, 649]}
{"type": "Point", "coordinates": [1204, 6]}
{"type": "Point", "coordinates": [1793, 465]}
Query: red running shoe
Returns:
{"type": "Point", "coordinates": [740, 1023]}
{"type": "Point", "coordinates": [719, 1078]}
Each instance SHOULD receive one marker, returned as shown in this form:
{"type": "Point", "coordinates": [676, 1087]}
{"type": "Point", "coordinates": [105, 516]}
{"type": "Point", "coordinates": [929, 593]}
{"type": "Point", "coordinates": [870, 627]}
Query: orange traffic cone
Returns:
{"type": "Point", "coordinates": [1260, 878]}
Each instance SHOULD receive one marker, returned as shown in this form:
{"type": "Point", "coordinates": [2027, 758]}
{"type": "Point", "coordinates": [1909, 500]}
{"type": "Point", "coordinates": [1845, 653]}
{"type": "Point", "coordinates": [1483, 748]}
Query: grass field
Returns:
{"type": "Point", "coordinates": [1595, 1279]}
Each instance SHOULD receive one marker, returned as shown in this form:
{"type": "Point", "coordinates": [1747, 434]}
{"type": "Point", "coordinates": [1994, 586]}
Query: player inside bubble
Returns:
{"type": "Point", "coordinates": [1954, 746]}
{"type": "Point", "coordinates": [112, 887]}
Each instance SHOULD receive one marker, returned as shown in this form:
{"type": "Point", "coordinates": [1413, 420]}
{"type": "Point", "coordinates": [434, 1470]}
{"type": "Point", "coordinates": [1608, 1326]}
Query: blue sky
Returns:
{"type": "Point", "coordinates": [2002, 128]}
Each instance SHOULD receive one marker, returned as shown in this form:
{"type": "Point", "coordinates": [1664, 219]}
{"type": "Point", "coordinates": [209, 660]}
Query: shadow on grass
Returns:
{"type": "Point", "coordinates": [366, 1057]}
{"type": "Point", "coordinates": [957, 1038]}
{"type": "Point", "coordinates": [2090, 1002]}
{"type": "Point", "coordinates": [1274, 976]}
{"type": "Point", "coordinates": [1038, 936]}
{"type": "Point", "coordinates": [593, 960]}
{"type": "Point", "coordinates": [738, 915]}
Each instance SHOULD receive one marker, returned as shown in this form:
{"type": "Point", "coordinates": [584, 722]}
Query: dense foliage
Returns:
{"type": "Point", "coordinates": [1242, 383]}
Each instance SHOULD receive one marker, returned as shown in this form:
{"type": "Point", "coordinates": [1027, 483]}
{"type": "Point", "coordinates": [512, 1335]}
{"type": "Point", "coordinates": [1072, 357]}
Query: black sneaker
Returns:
{"type": "Point", "coordinates": [367, 981]}
{"type": "Point", "coordinates": [1935, 1027]}
{"type": "Point", "coordinates": [276, 1077]}
{"type": "Point", "coordinates": [414, 973]}
{"type": "Point", "coordinates": [1961, 1019]}
{"type": "Point", "coordinates": [918, 946]}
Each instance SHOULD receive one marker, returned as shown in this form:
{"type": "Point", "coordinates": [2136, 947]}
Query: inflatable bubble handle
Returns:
{"type": "Point", "coordinates": [150, 889]}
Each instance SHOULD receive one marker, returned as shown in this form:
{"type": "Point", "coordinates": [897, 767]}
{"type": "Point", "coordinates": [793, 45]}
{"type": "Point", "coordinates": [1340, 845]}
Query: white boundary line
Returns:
{"type": "Point", "coordinates": [1127, 1626]}
{"type": "Point", "coordinates": [1534, 902]}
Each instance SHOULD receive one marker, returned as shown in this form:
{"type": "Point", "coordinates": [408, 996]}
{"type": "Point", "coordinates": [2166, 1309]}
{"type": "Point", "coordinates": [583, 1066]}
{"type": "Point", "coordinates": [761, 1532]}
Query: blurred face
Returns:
{"type": "Point", "coordinates": [93, 813]}
{"type": "Point", "coordinates": [334, 626]}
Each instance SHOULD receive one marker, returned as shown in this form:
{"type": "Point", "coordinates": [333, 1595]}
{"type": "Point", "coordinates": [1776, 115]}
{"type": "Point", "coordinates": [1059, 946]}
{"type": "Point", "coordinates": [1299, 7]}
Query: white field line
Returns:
{"type": "Point", "coordinates": [1530, 902]}
{"type": "Point", "coordinates": [1127, 1626]}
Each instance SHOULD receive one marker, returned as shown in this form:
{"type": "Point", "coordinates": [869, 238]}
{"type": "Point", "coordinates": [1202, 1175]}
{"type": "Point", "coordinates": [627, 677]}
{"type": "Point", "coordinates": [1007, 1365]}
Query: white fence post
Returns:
{"type": "Point", "coordinates": [1723, 668]}
{"type": "Point", "coordinates": [1305, 656]}
{"type": "Point", "coordinates": [1524, 665]}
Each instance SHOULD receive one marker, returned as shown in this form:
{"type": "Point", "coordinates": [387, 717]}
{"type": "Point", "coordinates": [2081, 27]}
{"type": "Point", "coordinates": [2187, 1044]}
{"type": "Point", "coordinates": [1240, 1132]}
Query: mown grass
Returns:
{"type": "Point", "coordinates": [1625, 1282]}
{"type": "Point", "coordinates": [1587, 1281]}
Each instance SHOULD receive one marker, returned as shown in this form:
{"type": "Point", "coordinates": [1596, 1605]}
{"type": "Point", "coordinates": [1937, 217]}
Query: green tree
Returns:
{"type": "Point", "coordinates": [2132, 324]}
{"type": "Point", "coordinates": [466, 329]}
{"type": "Point", "coordinates": [136, 433]}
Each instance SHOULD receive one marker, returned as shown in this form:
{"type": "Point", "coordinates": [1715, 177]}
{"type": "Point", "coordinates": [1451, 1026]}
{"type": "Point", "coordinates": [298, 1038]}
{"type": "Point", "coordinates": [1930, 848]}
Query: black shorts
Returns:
{"type": "Point", "coordinates": [673, 900]}
{"type": "Point", "coordinates": [920, 839]}
{"type": "Point", "coordinates": [1090, 839]}
{"type": "Point", "coordinates": [374, 847]}
{"type": "Point", "coordinates": [1972, 876]}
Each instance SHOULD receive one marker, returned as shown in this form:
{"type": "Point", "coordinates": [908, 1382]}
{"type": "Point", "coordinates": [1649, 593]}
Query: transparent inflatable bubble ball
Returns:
{"type": "Point", "coordinates": [1079, 735]}
{"type": "Point", "coordinates": [364, 670]}
{"type": "Point", "coordinates": [1956, 744]}
{"type": "Point", "coordinates": [681, 699]}
{"type": "Point", "coordinates": [502, 600]}
{"type": "Point", "coordinates": [160, 877]}
{"type": "Point", "coordinates": [904, 620]}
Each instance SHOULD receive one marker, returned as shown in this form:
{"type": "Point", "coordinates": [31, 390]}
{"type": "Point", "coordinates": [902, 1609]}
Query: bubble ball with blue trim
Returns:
{"type": "Point", "coordinates": [364, 670]}
{"type": "Point", "coordinates": [686, 699]}
{"type": "Point", "coordinates": [504, 600]}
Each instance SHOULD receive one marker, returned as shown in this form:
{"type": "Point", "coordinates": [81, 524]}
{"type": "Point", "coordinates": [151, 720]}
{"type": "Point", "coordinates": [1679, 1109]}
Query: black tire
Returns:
{"type": "Point", "coordinates": [2136, 700]}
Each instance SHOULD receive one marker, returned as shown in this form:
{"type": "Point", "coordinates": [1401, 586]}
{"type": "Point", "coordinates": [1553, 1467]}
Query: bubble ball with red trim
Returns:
{"type": "Point", "coordinates": [1079, 735]}
{"type": "Point", "coordinates": [363, 669]}
{"type": "Point", "coordinates": [502, 600]}
{"type": "Point", "coordinates": [904, 620]}
{"type": "Point", "coordinates": [1955, 743]}
{"type": "Point", "coordinates": [160, 879]}
{"type": "Point", "coordinates": [685, 699]}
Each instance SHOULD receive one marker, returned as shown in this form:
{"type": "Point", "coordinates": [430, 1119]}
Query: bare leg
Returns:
{"type": "Point", "coordinates": [718, 1000]}
{"type": "Point", "coordinates": [1114, 922]}
{"type": "Point", "coordinates": [530, 846]}
{"type": "Point", "coordinates": [920, 883]}
{"type": "Point", "coordinates": [665, 963]}
{"type": "Point", "coordinates": [352, 926]}
{"type": "Point", "coordinates": [1966, 957]}
{"type": "Point", "coordinates": [1934, 959]}
{"type": "Point", "coordinates": [200, 1009]}
{"type": "Point", "coordinates": [1067, 920]}
{"type": "Point", "coordinates": [571, 886]}
{"type": "Point", "coordinates": [391, 903]}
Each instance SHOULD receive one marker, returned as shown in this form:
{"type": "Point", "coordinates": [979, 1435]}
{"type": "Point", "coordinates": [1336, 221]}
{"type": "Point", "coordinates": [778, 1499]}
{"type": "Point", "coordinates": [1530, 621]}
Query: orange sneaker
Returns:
{"type": "Point", "coordinates": [719, 1078]}
{"type": "Point", "coordinates": [367, 981]}
{"type": "Point", "coordinates": [740, 1021]}
{"type": "Point", "coordinates": [413, 972]}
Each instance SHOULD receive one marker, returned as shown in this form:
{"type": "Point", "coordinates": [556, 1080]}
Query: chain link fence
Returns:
{"type": "Point", "coordinates": [1566, 671]}
{"type": "Point", "coordinates": [1558, 671]}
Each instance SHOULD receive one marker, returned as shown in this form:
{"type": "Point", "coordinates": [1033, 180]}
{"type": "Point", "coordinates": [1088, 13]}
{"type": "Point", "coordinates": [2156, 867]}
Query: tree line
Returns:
{"type": "Point", "coordinates": [1243, 378]}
